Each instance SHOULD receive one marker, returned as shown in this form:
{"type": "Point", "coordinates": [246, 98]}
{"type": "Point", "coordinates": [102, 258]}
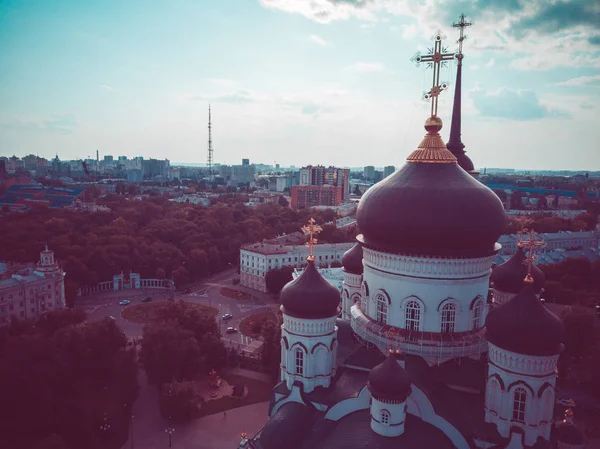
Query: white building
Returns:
{"type": "Point", "coordinates": [417, 284]}
{"type": "Point", "coordinates": [335, 276]}
{"type": "Point", "coordinates": [257, 259]}
{"type": "Point", "coordinates": [32, 291]}
{"type": "Point", "coordinates": [409, 365]}
{"type": "Point", "coordinates": [557, 240]}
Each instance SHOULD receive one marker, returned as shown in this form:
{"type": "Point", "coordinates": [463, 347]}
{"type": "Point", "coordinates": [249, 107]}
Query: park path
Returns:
{"type": "Point", "coordinates": [219, 431]}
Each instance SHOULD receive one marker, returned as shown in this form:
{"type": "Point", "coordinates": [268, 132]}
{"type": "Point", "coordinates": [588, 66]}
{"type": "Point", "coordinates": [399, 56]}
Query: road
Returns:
{"type": "Point", "coordinates": [206, 293]}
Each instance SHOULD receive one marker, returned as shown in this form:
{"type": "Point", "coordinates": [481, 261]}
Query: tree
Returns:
{"type": "Point", "coordinates": [276, 278]}
{"type": "Point", "coordinates": [271, 354]}
{"type": "Point", "coordinates": [283, 202]}
{"type": "Point", "coordinates": [179, 401]}
{"type": "Point", "coordinates": [357, 191]}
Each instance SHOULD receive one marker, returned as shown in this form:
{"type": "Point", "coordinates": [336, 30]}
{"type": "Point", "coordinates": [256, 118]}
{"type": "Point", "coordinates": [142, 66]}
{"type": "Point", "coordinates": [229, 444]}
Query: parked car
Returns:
{"type": "Point", "coordinates": [566, 402]}
{"type": "Point", "coordinates": [147, 299]}
{"type": "Point", "coordinates": [125, 302]}
{"type": "Point", "coordinates": [227, 316]}
{"type": "Point", "coordinates": [110, 317]}
{"type": "Point", "coordinates": [231, 330]}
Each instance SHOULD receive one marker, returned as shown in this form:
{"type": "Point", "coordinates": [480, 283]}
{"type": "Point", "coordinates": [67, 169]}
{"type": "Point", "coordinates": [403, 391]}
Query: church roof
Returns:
{"type": "Point", "coordinates": [352, 260]}
{"type": "Point", "coordinates": [509, 276]}
{"type": "Point", "coordinates": [525, 326]}
{"type": "Point", "coordinates": [568, 432]}
{"type": "Point", "coordinates": [310, 296]}
{"type": "Point", "coordinates": [431, 207]}
{"type": "Point", "coordinates": [389, 380]}
{"type": "Point", "coordinates": [296, 426]}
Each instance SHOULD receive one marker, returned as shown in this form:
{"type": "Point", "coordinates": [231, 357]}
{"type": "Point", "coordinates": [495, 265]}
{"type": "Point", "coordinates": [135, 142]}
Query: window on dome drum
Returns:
{"type": "Point", "coordinates": [448, 317]}
{"type": "Point", "coordinates": [519, 401]}
{"type": "Point", "coordinates": [299, 362]}
{"type": "Point", "coordinates": [477, 312]}
{"type": "Point", "coordinates": [413, 316]}
{"type": "Point", "coordinates": [381, 308]}
{"type": "Point", "coordinates": [385, 417]}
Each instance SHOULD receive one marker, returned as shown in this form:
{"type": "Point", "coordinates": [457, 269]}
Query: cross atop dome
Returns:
{"type": "Point", "coordinates": [531, 244]}
{"type": "Point", "coordinates": [311, 230]}
{"type": "Point", "coordinates": [436, 58]}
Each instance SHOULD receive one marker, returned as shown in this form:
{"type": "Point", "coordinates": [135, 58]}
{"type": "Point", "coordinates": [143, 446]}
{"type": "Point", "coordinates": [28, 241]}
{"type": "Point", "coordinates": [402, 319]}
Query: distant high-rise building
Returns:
{"type": "Point", "coordinates": [369, 173]}
{"type": "Point", "coordinates": [245, 162]}
{"type": "Point", "coordinates": [387, 171]}
{"type": "Point", "coordinates": [108, 159]}
{"type": "Point", "coordinates": [329, 186]}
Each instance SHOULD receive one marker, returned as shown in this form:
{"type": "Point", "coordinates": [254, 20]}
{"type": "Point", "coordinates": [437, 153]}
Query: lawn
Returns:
{"type": "Point", "coordinates": [252, 324]}
{"type": "Point", "coordinates": [231, 293]}
{"type": "Point", "coordinates": [257, 392]}
{"type": "Point", "coordinates": [149, 312]}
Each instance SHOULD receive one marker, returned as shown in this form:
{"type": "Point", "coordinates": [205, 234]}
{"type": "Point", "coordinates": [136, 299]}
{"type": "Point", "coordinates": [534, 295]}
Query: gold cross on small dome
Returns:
{"type": "Point", "coordinates": [531, 244]}
{"type": "Point", "coordinates": [311, 230]}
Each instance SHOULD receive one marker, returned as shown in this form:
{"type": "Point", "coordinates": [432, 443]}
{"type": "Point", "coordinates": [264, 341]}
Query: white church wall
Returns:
{"type": "Point", "coordinates": [533, 375]}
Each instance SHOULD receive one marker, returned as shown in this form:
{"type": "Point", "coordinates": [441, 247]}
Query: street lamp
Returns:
{"type": "Point", "coordinates": [169, 430]}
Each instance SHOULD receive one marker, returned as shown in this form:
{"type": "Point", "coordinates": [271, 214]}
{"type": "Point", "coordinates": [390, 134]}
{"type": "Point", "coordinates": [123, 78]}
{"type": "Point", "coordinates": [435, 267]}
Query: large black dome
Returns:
{"type": "Point", "coordinates": [508, 277]}
{"type": "Point", "coordinates": [310, 296]}
{"type": "Point", "coordinates": [525, 326]}
{"type": "Point", "coordinates": [389, 380]}
{"type": "Point", "coordinates": [352, 260]}
{"type": "Point", "coordinates": [431, 207]}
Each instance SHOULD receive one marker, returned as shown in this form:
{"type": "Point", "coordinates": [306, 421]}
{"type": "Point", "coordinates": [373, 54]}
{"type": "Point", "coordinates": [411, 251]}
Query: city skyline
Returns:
{"type": "Point", "coordinates": [322, 82]}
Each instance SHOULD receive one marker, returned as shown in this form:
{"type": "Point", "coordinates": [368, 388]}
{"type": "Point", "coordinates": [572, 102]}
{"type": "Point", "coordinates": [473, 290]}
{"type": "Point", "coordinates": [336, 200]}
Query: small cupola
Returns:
{"type": "Point", "coordinates": [389, 385]}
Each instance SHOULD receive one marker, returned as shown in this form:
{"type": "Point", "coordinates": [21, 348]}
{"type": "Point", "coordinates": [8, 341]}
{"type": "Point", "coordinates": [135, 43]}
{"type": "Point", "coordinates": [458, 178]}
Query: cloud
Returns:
{"type": "Point", "coordinates": [518, 105]}
{"type": "Point", "coordinates": [310, 109]}
{"type": "Point", "coordinates": [237, 97]}
{"type": "Point", "coordinates": [491, 63]}
{"type": "Point", "coordinates": [366, 67]}
{"type": "Point", "coordinates": [582, 81]}
{"type": "Point", "coordinates": [60, 123]}
{"type": "Point", "coordinates": [541, 34]}
{"type": "Point", "coordinates": [317, 40]}
{"type": "Point", "coordinates": [324, 11]}
{"type": "Point", "coordinates": [105, 87]}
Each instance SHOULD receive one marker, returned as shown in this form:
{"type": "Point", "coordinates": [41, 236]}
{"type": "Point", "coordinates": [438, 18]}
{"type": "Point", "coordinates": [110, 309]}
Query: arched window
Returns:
{"type": "Point", "coordinates": [382, 306]}
{"type": "Point", "coordinates": [448, 317]}
{"type": "Point", "coordinates": [413, 316]}
{"type": "Point", "coordinates": [477, 312]}
{"type": "Point", "coordinates": [299, 361]}
{"type": "Point", "coordinates": [385, 417]}
{"type": "Point", "coordinates": [519, 402]}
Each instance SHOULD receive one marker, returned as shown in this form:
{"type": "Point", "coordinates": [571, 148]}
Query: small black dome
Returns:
{"type": "Point", "coordinates": [525, 326]}
{"type": "Point", "coordinates": [569, 433]}
{"type": "Point", "coordinates": [389, 380]}
{"type": "Point", "coordinates": [352, 260]}
{"type": "Point", "coordinates": [310, 296]}
{"type": "Point", "coordinates": [508, 277]}
{"type": "Point", "coordinates": [431, 207]}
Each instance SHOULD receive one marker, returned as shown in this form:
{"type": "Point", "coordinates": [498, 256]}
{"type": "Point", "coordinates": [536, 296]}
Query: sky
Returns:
{"type": "Point", "coordinates": [297, 82]}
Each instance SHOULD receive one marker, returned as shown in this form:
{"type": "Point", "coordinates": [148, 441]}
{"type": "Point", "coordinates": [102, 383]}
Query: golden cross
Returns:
{"type": "Point", "coordinates": [311, 230]}
{"type": "Point", "coordinates": [521, 233]}
{"type": "Point", "coordinates": [462, 24]}
{"type": "Point", "coordinates": [437, 57]}
{"type": "Point", "coordinates": [531, 243]}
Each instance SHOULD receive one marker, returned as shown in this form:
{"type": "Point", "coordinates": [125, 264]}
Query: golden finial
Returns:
{"type": "Point", "coordinates": [244, 435]}
{"type": "Point", "coordinates": [432, 148]}
{"type": "Point", "coordinates": [531, 243]}
{"type": "Point", "coordinates": [311, 230]}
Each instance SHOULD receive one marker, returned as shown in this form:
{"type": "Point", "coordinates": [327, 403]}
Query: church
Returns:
{"type": "Point", "coordinates": [418, 352]}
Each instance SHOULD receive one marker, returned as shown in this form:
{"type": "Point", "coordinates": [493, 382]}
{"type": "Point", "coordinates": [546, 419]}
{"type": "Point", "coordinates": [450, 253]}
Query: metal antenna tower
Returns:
{"type": "Point", "coordinates": [210, 148]}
